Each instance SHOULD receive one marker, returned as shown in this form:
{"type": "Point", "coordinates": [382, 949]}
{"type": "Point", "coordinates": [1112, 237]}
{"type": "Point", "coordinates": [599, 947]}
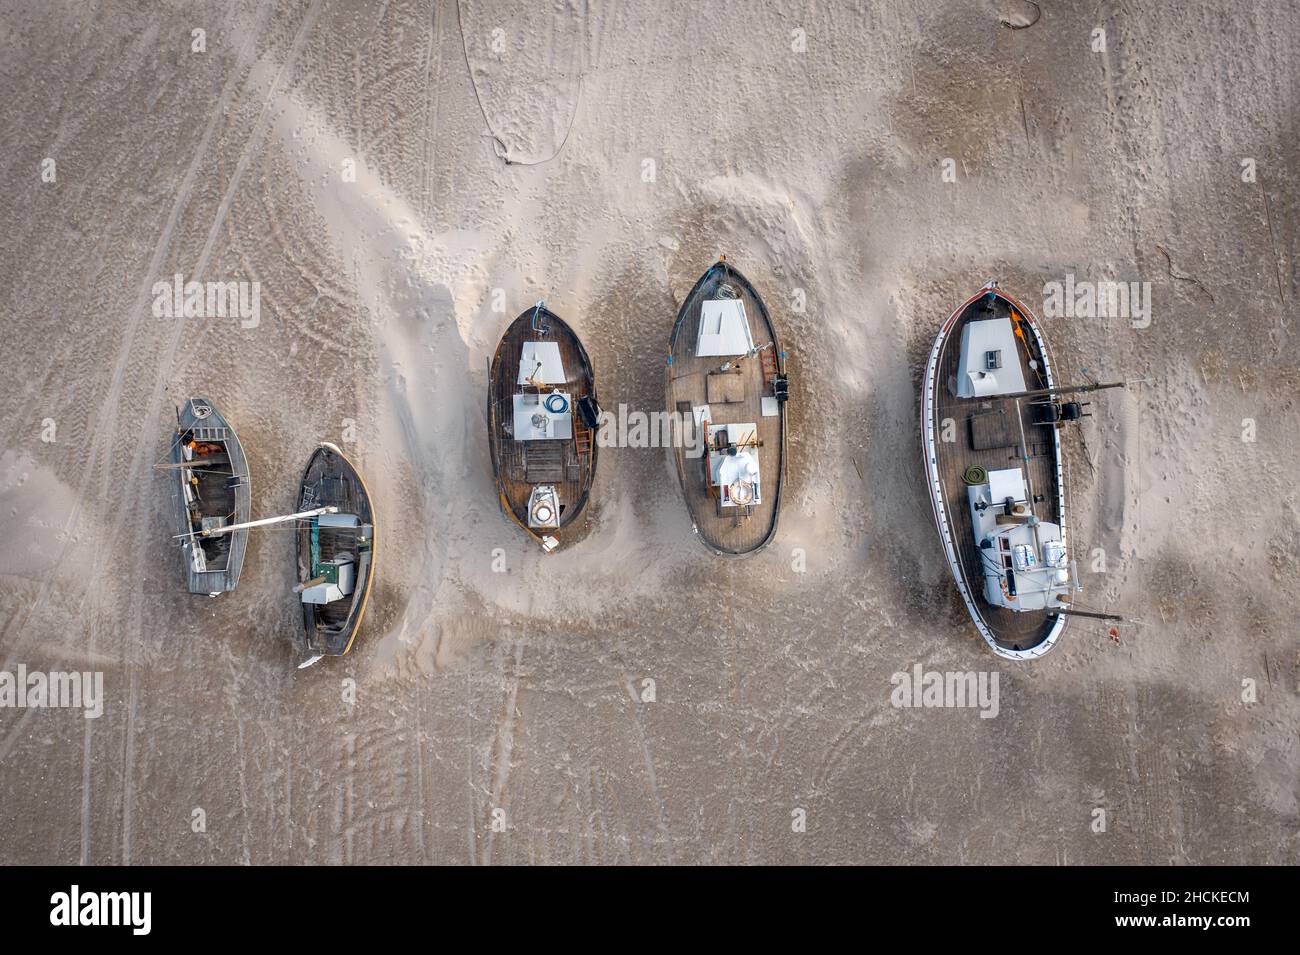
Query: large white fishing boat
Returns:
{"type": "Point", "coordinates": [992, 414]}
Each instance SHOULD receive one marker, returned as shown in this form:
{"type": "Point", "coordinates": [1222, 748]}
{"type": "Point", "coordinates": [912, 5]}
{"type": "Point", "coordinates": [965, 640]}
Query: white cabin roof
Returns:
{"type": "Point", "coordinates": [985, 344]}
{"type": "Point", "coordinates": [727, 471]}
{"type": "Point", "coordinates": [1027, 557]}
{"type": "Point", "coordinates": [547, 354]}
{"type": "Point", "coordinates": [1008, 483]}
{"type": "Point", "coordinates": [533, 421]}
{"type": "Point", "coordinates": [724, 329]}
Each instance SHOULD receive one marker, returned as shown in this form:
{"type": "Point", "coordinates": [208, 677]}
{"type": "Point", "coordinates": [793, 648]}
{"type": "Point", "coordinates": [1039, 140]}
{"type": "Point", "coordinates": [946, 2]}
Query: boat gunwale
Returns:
{"type": "Point", "coordinates": [935, 485]}
{"type": "Point", "coordinates": [748, 286]}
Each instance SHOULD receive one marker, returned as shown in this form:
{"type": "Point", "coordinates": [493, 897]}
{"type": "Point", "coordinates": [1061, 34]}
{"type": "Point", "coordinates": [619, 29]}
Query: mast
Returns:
{"type": "Point", "coordinates": [1088, 613]}
{"type": "Point", "coordinates": [1029, 481]}
{"type": "Point", "coordinates": [218, 531]}
{"type": "Point", "coordinates": [1043, 392]}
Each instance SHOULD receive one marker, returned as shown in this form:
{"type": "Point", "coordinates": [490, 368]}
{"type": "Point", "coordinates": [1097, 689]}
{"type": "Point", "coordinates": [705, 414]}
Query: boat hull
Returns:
{"type": "Point", "coordinates": [948, 449]}
{"type": "Point", "coordinates": [331, 480]}
{"type": "Point", "coordinates": [722, 528]}
{"type": "Point", "coordinates": [566, 464]}
{"type": "Point", "coordinates": [212, 565]}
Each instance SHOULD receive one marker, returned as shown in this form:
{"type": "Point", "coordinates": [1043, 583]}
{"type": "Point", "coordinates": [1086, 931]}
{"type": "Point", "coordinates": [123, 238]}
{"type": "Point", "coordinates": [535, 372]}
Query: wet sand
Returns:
{"type": "Point", "coordinates": [807, 143]}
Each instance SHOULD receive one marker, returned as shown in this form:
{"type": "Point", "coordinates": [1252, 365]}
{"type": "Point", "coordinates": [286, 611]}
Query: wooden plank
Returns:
{"type": "Point", "coordinates": [725, 387]}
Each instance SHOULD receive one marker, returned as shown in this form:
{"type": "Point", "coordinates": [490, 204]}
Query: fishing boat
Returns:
{"type": "Point", "coordinates": [993, 417]}
{"type": "Point", "coordinates": [213, 492]}
{"type": "Point", "coordinates": [727, 387]}
{"type": "Point", "coordinates": [336, 536]}
{"type": "Point", "coordinates": [542, 418]}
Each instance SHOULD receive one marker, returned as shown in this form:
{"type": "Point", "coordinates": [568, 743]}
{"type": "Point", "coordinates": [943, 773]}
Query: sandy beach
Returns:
{"type": "Point", "coordinates": [400, 180]}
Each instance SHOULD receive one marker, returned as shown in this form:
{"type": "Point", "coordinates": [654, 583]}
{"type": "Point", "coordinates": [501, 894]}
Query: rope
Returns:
{"type": "Point", "coordinates": [498, 144]}
{"type": "Point", "coordinates": [537, 314]}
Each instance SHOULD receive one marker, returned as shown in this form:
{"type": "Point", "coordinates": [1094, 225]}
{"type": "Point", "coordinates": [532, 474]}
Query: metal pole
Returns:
{"type": "Point", "coordinates": [1039, 393]}
{"type": "Point", "coordinates": [218, 531]}
{"type": "Point", "coordinates": [1089, 613]}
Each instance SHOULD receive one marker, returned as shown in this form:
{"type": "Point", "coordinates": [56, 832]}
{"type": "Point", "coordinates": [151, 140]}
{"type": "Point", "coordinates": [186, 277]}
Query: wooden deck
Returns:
{"type": "Point", "coordinates": [733, 398]}
{"type": "Point", "coordinates": [569, 464]}
{"type": "Point", "coordinates": [987, 433]}
{"type": "Point", "coordinates": [221, 489]}
{"type": "Point", "coordinates": [330, 479]}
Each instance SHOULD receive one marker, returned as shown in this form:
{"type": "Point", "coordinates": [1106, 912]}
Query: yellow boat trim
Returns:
{"type": "Point", "coordinates": [374, 552]}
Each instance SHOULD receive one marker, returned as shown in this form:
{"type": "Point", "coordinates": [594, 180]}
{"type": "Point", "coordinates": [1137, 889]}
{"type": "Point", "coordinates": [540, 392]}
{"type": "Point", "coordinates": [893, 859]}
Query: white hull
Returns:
{"type": "Point", "coordinates": [935, 485]}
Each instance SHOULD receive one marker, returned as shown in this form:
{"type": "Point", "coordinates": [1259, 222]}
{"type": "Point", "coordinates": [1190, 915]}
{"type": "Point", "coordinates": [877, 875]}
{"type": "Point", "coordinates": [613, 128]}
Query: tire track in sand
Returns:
{"type": "Point", "coordinates": [102, 445]}
{"type": "Point", "coordinates": [139, 462]}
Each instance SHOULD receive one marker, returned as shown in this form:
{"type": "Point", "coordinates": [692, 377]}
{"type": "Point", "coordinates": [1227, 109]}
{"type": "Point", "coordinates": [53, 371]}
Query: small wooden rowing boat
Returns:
{"type": "Point", "coordinates": [542, 418]}
{"type": "Point", "coordinates": [727, 386]}
{"type": "Point", "coordinates": [336, 552]}
{"type": "Point", "coordinates": [992, 419]}
{"type": "Point", "coordinates": [213, 492]}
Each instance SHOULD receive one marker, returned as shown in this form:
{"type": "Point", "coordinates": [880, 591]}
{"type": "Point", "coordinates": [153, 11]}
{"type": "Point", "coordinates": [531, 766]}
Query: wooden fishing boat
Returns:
{"type": "Point", "coordinates": [727, 388]}
{"type": "Point", "coordinates": [336, 552]}
{"type": "Point", "coordinates": [542, 418]}
{"type": "Point", "coordinates": [992, 419]}
{"type": "Point", "coordinates": [212, 492]}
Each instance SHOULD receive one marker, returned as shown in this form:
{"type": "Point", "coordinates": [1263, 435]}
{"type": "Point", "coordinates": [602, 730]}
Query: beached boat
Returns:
{"type": "Point", "coordinates": [336, 552]}
{"type": "Point", "coordinates": [992, 416]}
{"type": "Point", "coordinates": [542, 418]}
{"type": "Point", "coordinates": [727, 386]}
{"type": "Point", "coordinates": [213, 492]}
